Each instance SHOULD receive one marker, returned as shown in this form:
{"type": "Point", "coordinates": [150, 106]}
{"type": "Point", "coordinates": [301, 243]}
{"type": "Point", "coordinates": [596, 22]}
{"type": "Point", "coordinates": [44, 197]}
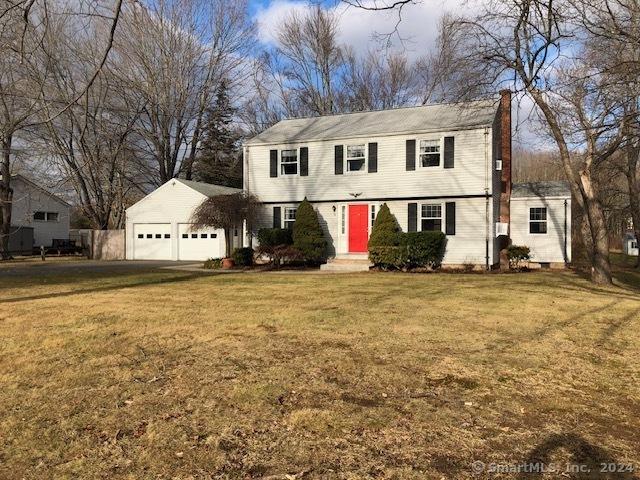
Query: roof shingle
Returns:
{"type": "Point", "coordinates": [407, 120]}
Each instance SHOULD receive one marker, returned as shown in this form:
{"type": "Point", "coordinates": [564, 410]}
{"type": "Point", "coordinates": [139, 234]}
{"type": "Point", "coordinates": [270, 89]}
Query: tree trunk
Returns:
{"type": "Point", "coordinates": [633, 179]}
{"type": "Point", "coordinates": [228, 240]}
{"type": "Point", "coordinates": [6, 197]}
{"type": "Point", "coordinates": [600, 266]}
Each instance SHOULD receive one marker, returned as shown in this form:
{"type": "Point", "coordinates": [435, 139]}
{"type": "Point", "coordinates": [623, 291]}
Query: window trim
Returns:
{"type": "Point", "coordinates": [46, 216]}
{"type": "Point", "coordinates": [441, 217]}
{"type": "Point", "coordinates": [440, 141]}
{"type": "Point", "coordinates": [545, 221]}
{"type": "Point", "coordinates": [284, 217]}
{"type": "Point", "coordinates": [365, 158]}
{"type": "Point", "coordinates": [281, 164]}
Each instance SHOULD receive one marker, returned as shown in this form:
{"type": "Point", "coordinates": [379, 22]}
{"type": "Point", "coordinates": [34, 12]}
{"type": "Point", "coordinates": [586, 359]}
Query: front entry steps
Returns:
{"type": "Point", "coordinates": [348, 263]}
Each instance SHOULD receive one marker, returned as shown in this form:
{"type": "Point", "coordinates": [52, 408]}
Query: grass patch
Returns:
{"type": "Point", "coordinates": [164, 374]}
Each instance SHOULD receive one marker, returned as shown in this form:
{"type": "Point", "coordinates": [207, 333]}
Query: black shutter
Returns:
{"type": "Point", "coordinates": [373, 157]}
{"type": "Point", "coordinates": [450, 213]}
{"type": "Point", "coordinates": [449, 151]}
{"type": "Point", "coordinates": [411, 154]}
{"type": "Point", "coordinates": [304, 161]}
{"type": "Point", "coordinates": [339, 151]}
{"type": "Point", "coordinates": [413, 217]}
{"type": "Point", "coordinates": [273, 165]}
{"type": "Point", "coordinates": [277, 217]}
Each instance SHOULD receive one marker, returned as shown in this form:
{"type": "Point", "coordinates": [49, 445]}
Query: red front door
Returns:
{"type": "Point", "coordinates": [358, 222]}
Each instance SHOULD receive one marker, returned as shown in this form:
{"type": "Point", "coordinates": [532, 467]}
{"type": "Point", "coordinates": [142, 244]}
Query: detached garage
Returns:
{"type": "Point", "coordinates": [159, 228]}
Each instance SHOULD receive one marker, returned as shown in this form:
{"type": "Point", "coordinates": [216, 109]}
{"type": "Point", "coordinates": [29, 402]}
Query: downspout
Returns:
{"type": "Point", "coordinates": [486, 197]}
{"type": "Point", "coordinates": [566, 257]}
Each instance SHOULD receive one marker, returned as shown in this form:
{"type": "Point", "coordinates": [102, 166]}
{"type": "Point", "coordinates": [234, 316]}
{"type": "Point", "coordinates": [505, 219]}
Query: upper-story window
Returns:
{"type": "Point", "coordinates": [538, 220]}
{"type": "Point", "coordinates": [289, 217]}
{"type": "Point", "coordinates": [429, 153]}
{"type": "Point", "coordinates": [289, 162]}
{"type": "Point", "coordinates": [431, 217]}
{"type": "Point", "coordinates": [355, 158]}
{"type": "Point", "coordinates": [45, 216]}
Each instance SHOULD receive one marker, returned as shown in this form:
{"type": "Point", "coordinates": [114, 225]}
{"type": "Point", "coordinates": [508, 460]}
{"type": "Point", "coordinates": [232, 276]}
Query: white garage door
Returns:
{"type": "Point", "coordinates": [199, 244]}
{"type": "Point", "coordinates": [152, 241]}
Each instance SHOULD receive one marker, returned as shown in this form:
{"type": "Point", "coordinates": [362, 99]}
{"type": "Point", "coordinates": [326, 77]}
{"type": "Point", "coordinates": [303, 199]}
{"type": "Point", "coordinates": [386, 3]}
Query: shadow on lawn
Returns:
{"type": "Point", "coordinates": [584, 461]}
{"type": "Point", "coordinates": [106, 288]}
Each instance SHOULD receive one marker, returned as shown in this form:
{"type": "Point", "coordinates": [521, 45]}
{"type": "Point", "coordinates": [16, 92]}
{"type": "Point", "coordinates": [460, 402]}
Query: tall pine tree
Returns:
{"type": "Point", "coordinates": [219, 158]}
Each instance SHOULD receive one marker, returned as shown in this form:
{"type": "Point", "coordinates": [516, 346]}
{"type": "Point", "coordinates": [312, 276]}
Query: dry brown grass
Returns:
{"type": "Point", "coordinates": [173, 375]}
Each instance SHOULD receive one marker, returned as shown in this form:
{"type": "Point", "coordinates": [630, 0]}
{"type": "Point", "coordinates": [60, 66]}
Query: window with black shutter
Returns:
{"type": "Point", "coordinates": [412, 214]}
{"type": "Point", "coordinates": [450, 218]}
{"type": "Point", "coordinates": [304, 161]}
{"type": "Point", "coordinates": [411, 154]}
{"type": "Point", "coordinates": [339, 159]}
{"type": "Point", "coordinates": [373, 157]}
{"type": "Point", "coordinates": [277, 217]}
{"type": "Point", "coordinates": [449, 152]}
{"type": "Point", "coordinates": [273, 163]}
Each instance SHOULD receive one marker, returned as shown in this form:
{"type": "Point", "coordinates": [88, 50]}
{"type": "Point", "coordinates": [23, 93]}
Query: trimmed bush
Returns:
{"type": "Point", "coordinates": [308, 237]}
{"type": "Point", "coordinates": [272, 237]}
{"type": "Point", "coordinates": [213, 263]}
{"type": "Point", "coordinates": [243, 257]}
{"type": "Point", "coordinates": [517, 255]}
{"type": "Point", "coordinates": [384, 240]}
{"type": "Point", "coordinates": [423, 249]}
{"type": "Point", "coordinates": [277, 245]}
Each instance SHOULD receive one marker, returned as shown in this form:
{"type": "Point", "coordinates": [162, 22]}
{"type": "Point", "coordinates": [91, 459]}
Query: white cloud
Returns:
{"type": "Point", "coordinates": [359, 28]}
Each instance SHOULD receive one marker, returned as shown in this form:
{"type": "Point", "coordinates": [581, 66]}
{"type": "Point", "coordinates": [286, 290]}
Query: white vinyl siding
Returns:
{"type": "Point", "coordinates": [548, 247]}
{"type": "Point", "coordinates": [174, 203]}
{"type": "Point", "coordinates": [391, 180]}
{"type": "Point", "coordinates": [47, 215]}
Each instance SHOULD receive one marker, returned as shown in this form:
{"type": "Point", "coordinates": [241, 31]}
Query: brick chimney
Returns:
{"type": "Point", "coordinates": [505, 179]}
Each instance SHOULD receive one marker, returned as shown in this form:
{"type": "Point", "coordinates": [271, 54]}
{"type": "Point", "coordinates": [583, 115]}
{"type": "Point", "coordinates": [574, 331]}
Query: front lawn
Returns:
{"type": "Point", "coordinates": [163, 374]}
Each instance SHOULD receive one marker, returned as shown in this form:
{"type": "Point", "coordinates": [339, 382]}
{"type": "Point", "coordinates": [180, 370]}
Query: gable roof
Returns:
{"type": "Point", "coordinates": [541, 189]}
{"type": "Point", "coordinates": [397, 121]}
{"type": "Point", "coordinates": [208, 189]}
{"type": "Point", "coordinates": [17, 176]}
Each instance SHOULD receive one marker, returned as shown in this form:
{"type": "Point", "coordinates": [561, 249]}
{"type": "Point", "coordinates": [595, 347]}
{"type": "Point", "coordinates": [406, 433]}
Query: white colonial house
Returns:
{"type": "Point", "coordinates": [438, 167]}
{"type": "Point", "coordinates": [37, 216]}
{"type": "Point", "coordinates": [159, 226]}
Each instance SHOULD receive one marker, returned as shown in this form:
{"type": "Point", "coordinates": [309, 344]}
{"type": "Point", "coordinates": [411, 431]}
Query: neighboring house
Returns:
{"type": "Point", "coordinates": [35, 208]}
{"type": "Point", "coordinates": [159, 226]}
{"type": "Point", "coordinates": [541, 220]}
{"type": "Point", "coordinates": [438, 167]}
{"type": "Point", "coordinates": [630, 244]}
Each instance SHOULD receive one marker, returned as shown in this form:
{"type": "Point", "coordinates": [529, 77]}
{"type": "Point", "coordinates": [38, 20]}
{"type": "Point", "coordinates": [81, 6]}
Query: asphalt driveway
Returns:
{"type": "Point", "coordinates": [78, 267]}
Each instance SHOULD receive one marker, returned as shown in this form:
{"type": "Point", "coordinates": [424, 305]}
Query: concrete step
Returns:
{"type": "Point", "coordinates": [345, 267]}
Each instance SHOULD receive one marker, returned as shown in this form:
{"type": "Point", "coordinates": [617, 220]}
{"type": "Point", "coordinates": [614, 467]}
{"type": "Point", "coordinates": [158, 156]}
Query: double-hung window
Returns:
{"type": "Point", "coordinates": [634, 244]}
{"type": "Point", "coordinates": [355, 158]}
{"type": "Point", "coordinates": [429, 153]}
{"type": "Point", "coordinates": [289, 217]}
{"type": "Point", "coordinates": [289, 162]}
{"type": "Point", "coordinates": [538, 220]}
{"type": "Point", "coordinates": [431, 217]}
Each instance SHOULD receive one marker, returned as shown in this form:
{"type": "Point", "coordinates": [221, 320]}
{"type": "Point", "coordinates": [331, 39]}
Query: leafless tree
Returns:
{"type": "Point", "coordinates": [614, 28]}
{"type": "Point", "coordinates": [312, 58]}
{"type": "Point", "coordinates": [377, 81]}
{"type": "Point", "coordinates": [172, 55]}
{"type": "Point", "coordinates": [521, 42]}
{"type": "Point", "coordinates": [28, 51]}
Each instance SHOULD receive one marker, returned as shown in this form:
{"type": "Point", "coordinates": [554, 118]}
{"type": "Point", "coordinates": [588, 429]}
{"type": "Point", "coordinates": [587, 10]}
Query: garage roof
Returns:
{"type": "Point", "coordinates": [541, 189]}
{"type": "Point", "coordinates": [405, 120]}
{"type": "Point", "coordinates": [209, 189]}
